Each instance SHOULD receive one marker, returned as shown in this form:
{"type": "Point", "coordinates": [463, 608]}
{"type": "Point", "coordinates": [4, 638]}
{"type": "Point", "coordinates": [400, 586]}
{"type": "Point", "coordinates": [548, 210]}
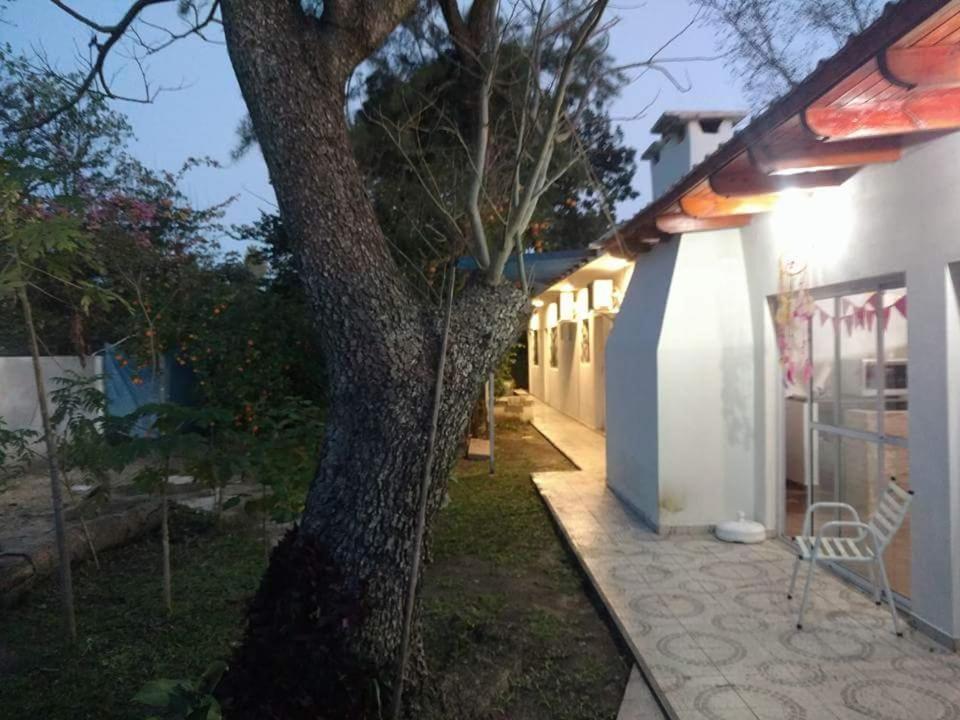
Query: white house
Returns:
{"type": "Point", "coordinates": [781, 325]}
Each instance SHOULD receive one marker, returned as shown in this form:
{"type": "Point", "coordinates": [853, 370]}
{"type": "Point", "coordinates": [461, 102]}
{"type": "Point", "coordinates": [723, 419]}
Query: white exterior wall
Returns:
{"type": "Point", "coordinates": [632, 381]}
{"type": "Point", "coordinates": [681, 447]}
{"type": "Point", "coordinates": [892, 219]}
{"type": "Point", "coordinates": [705, 361]}
{"type": "Point", "coordinates": [574, 387]}
{"type": "Point", "coordinates": [704, 415]}
{"type": "Point", "coordinates": [18, 389]}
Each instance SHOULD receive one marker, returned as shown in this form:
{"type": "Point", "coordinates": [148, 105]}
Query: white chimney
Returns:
{"type": "Point", "coordinates": [686, 138]}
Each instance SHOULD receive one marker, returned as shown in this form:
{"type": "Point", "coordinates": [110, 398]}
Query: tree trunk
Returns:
{"type": "Point", "coordinates": [63, 552]}
{"type": "Point", "coordinates": [165, 547]}
{"type": "Point", "coordinates": [324, 629]}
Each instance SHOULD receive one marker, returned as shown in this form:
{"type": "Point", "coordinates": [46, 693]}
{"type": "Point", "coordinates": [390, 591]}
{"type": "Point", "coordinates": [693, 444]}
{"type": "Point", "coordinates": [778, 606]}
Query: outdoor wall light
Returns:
{"type": "Point", "coordinates": [567, 306]}
{"type": "Point", "coordinates": [552, 315]}
{"type": "Point", "coordinates": [602, 295]}
{"type": "Point", "coordinates": [537, 303]}
{"type": "Point", "coordinates": [811, 228]}
{"type": "Point", "coordinates": [583, 303]}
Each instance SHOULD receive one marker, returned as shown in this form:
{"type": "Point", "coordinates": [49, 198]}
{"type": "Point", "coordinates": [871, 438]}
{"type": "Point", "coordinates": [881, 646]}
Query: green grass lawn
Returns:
{"type": "Point", "coordinates": [510, 630]}
{"type": "Point", "coordinates": [510, 623]}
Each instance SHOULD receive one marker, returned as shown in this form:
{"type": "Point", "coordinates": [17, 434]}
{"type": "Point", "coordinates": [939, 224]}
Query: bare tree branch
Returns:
{"type": "Point", "coordinates": [94, 79]}
{"type": "Point", "coordinates": [520, 214]}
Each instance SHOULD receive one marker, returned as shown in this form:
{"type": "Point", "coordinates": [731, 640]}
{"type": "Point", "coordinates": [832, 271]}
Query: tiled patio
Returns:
{"type": "Point", "coordinates": [710, 624]}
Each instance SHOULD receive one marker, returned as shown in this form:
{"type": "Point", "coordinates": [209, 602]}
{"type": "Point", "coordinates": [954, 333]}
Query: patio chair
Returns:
{"type": "Point", "coordinates": [866, 546]}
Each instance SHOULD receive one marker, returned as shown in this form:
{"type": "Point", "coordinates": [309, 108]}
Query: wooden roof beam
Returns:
{"type": "Point", "coordinates": [632, 240]}
{"type": "Point", "coordinates": [815, 156]}
{"type": "Point", "coordinates": [703, 202]}
{"type": "Point", "coordinates": [921, 111]}
{"type": "Point", "coordinates": [744, 180]}
{"type": "Point", "coordinates": [680, 224]}
{"type": "Point", "coordinates": [912, 67]}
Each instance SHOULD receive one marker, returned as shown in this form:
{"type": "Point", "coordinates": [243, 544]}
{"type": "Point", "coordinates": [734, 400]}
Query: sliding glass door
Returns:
{"type": "Point", "coordinates": [857, 404]}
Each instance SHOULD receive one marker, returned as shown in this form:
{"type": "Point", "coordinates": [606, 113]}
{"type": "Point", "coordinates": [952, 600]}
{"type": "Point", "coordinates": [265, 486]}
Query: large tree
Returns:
{"type": "Point", "coordinates": [773, 44]}
{"type": "Point", "coordinates": [408, 137]}
{"type": "Point", "coordinates": [325, 627]}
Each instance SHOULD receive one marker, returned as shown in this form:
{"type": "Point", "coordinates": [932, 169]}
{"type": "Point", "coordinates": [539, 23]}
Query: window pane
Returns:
{"type": "Point", "coordinates": [858, 325]}
{"type": "Point", "coordinates": [896, 400]}
{"type": "Point", "coordinates": [897, 465]}
{"type": "Point", "coordinates": [826, 470]}
{"type": "Point", "coordinates": [823, 345]}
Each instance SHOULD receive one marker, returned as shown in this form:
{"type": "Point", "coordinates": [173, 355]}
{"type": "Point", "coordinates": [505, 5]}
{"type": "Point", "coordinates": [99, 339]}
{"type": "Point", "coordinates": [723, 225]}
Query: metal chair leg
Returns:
{"type": "Point", "coordinates": [886, 586]}
{"type": "Point", "coordinates": [793, 579]}
{"type": "Point", "coordinates": [806, 589]}
{"type": "Point", "coordinates": [875, 581]}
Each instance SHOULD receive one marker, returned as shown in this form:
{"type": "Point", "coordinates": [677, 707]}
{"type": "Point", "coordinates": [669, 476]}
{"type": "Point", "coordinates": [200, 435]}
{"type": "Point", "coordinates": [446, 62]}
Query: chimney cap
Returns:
{"type": "Point", "coordinates": [673, 120]}
{"type": "Point", "coordinates": [653, 152]}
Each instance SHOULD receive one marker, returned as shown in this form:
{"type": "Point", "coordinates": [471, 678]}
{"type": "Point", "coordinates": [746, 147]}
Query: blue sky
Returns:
{"type": "Point", "coordinates": [201, 118]}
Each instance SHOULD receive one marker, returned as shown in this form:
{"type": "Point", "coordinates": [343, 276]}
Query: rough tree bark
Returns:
{"type": "Point", "coordinates": [324, 628]}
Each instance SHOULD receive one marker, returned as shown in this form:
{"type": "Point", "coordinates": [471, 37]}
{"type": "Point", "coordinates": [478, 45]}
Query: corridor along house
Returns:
{"type": "Point", "coordinates": [781, 325]}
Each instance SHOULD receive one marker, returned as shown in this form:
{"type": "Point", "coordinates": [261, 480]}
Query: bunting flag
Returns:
{"type": "Point", "coordinates": [859, 317]}
{"type": "Point", "coordinates": [901, 305]}
{"type": "Point", "coordinates": [862, 316]}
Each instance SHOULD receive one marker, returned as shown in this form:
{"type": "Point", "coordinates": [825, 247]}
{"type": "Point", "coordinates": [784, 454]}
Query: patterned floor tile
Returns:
{"type": "Point", "coordinates": [717, 635]}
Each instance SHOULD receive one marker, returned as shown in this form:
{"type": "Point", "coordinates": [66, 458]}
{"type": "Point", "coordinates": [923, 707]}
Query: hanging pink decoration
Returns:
{"type": "Point", "coordinates": [886, 316]}
{"type": "Point", "coordinates": [795, 311]}
{"type": "Point", "coordinates": [901, 305]}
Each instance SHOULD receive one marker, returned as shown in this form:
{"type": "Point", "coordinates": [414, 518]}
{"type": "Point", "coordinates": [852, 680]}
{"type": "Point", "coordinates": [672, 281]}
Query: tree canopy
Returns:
{"type": "Point", "coordinates": [774, 44]}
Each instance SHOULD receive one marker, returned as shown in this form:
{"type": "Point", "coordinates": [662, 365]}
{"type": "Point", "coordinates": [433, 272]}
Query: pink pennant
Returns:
{"type": "Point", "coordinates": [901, 305]}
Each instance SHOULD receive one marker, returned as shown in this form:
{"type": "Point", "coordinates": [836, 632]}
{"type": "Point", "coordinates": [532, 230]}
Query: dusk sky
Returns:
{"type": "Point", "coordinates": [201, 118]}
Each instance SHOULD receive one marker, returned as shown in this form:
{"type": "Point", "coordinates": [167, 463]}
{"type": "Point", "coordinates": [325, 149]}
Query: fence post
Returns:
{"type": "Point", "coordinates": [491, 423]}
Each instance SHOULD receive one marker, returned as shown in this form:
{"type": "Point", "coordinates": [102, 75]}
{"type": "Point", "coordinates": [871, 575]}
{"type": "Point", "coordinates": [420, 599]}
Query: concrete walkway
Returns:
{"type": "Point", "coordinates": [586, 448]}
{"type": "Point", "coordinates": [713, 632]}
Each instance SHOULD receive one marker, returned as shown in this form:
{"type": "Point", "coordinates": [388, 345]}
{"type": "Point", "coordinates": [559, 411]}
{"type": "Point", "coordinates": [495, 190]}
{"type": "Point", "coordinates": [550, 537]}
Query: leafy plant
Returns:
{"type": "Point", "coordinates": [284, 457]}
{"type": "Point", "coordinates": [80, 414]}
{"type": "Point", "coordinates": [43, 238]}
{"type": "Point", "coordinates": [169, 440]}
{"type": "Point", "coordinates": [184, 699]}
{"type": "Point", "coordinates": [15, 452]}
{"type": "Point", "coordinates": [221, 454]}
{"type": "Point", "coordinates": [504, 373]}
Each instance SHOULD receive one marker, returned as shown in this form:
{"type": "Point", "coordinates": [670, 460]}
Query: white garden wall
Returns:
{"type": "Point", "coordinates": [18, 389]}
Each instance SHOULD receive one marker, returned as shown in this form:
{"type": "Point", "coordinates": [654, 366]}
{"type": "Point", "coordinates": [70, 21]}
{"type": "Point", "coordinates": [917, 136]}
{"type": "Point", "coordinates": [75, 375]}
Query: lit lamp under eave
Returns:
{"type": "Point", "coordinates": [602, 295]}
{"type": "Point", "coordinates": [567, 306]}
{"type": "Point", "coordinates": [583, 303]}
{"type": "Point", "coordinates": [552, 315]}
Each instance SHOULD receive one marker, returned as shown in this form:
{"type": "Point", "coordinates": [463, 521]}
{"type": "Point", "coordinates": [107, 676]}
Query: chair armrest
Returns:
{"type": "Point", "coordinates": [861, 526]}
{"type": "Point", "coordinates": [819, 505]}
